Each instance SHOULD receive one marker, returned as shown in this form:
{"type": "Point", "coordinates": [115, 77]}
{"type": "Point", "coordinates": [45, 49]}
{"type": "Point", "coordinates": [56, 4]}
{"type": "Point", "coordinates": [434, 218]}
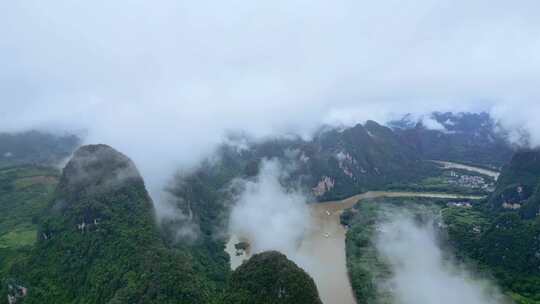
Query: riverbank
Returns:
{"type": "Point", "coordinates": [324, 243]}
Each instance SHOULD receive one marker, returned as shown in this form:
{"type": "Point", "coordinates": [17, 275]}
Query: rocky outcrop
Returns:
{"type": "Point", "coordinates": [325, 184]}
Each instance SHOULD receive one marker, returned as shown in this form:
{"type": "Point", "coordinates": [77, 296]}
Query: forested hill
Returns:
{"type": "Point", "coordinates": [518, 187]}
{"type": "Point", "coordinates": [473, 138]}
{"type": "Point", "coordinates": [98, 243]}
{"type": "Point", "coordinates": [268, 278]}
{"type": "Point", "coordinates": [33, 147]}
{"type": "Point", "coordinates": [502, 233]}
{"type": "Point", "coordinates": [337, 163]}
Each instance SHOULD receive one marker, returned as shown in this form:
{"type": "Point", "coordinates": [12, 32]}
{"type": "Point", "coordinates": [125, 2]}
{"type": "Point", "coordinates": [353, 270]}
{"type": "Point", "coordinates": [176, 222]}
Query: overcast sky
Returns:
{"type": "Point", "coordinates": [162, 80]}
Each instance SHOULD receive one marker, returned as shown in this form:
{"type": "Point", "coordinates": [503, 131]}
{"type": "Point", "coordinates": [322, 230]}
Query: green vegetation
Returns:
{"type": "Point", "coordinates": [357, 159]}
{"type": "Point", "coordinates": [26, 187]}
{"type": "Point", "coordinates": [24, 194]}
{"type": "Point", "coordinates": [362, 158]}
{"type": "Point", "coordinates": [368, 271]}
{"type": "Point", "coordinates": [98, 243]}
{"type": "Point", "coordinates": [365, 268]}
{"type": "Point", "coordinates": [470, 138]}
{"type": "Point", "coordinates": [270, 278]}
{"type": "Point", "coordinates": [499, 242]}
{"type": "Point", "coordinates": [90, 237]}
{"type": "Point", "coordinates": [505, 241]}
{"type": "Point", "coordinates": [204, 193]}
{"type": "Point", "coordinates": [448, 181]}
{"type": "Point", "coordinates": [18, 238]}
{"type": "Point", "coordinates": [504, 246]}
{"type": "Point", "coordinates": [35, 148]}
{"type": "Point", "coordinates": [519, 184]}
{"type": "Point", "coordinates": [464, 225]}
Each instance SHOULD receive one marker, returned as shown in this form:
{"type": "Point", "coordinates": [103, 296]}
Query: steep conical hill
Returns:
{"type": "Point", "coordinates": [98, 242]}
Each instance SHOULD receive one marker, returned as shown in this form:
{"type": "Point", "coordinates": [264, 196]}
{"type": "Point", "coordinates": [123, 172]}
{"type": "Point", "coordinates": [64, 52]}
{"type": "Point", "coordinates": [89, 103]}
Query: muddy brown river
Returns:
{"type": "Point", "coordinates": [324, 243]}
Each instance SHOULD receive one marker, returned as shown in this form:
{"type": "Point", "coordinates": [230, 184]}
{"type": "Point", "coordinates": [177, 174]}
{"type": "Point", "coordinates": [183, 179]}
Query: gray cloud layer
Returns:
{"type": "Point", "coordinates": [267, 215]}
{"type": "Point", "coordinates": [421, 273]}
{"type": "Point", "coordinates": [162, 81]}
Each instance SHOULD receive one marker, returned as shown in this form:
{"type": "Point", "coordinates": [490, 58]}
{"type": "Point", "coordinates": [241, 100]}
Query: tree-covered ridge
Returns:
{"type": "Point", "coordinates": [334, 164]}
{"type": "Point", "coordinates": [505, 246]}
{"type": "Point", "coordinates": [502, 234]}
{"type": "Point", "coordinates": [519, 185]}
{"type": "Point", "coordinates": [24, 194]}
{"type": "Point", "coordinates": [99, 227]}
{"type": "Point", "coordinates": [98, 242]}
{"type": "Point", "coordinates": [501, 246]}
{"type": "Point", "coordinates": [369, 272]}
{"type": "Point", "coordinates": [470, 138]}
{"type": "Point", "coordinates": [270, 278]}
{"type": "Point", "coordinates": [35, 147]}
{"type": "Point", "coordinates": [337, 163]}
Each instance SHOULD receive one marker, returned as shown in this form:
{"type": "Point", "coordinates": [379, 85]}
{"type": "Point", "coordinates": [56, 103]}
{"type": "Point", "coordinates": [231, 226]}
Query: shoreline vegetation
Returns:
{"type": "Point", "coordinates": [337, 213]}
{"type": "Point", "coordinates": [468, 233]}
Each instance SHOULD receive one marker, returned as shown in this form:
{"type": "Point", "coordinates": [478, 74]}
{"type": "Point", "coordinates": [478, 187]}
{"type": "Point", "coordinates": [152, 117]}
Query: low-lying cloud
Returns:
{"type": "Point", "coordinates": [268, 215]}
{"type": "Point", "coordinates": [163, 81]}
{"type": "Point", "coordinates": [421, 273]}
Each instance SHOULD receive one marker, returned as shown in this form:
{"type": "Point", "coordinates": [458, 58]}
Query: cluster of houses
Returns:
{"type": "Point", "coordinates": [470, 181]}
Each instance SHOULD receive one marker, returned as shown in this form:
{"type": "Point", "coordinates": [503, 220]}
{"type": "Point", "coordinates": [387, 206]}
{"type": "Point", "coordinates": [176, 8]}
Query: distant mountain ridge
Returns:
{"type": "Point", "coordinates": [34, 147]}
{"type": "Point", "coordinates": [99, 243]}
{"type": "Point", "coordinates": [471, 138]}
{"type": "Point", "coordinates": [337, 163]}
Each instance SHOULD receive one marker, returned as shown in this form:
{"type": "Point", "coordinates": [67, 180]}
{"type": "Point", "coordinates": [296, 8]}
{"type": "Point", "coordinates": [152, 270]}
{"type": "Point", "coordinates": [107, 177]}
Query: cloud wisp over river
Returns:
{"type": "Point", "coordinates": [421, 272]}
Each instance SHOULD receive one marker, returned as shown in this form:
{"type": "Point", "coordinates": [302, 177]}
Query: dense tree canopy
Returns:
{"type": "Point", "coordinates": [270, 278]}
